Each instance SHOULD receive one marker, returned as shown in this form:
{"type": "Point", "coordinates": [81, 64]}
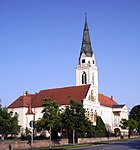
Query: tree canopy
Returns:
{"type": "Point", "coordinates": [51, 115]}
{"type": "Point", "coordinates": [8, 123]}
{"type": "Point", "coordinates": [130, 124]}
{"type": "Point", "coordinates": [71, 119]}
{"type": "Point", "coordinates": [100, 124]}
{"type": "Point", "coordinates": [135, 114]}
{"type": "Point", "coordinates": [74, 119]}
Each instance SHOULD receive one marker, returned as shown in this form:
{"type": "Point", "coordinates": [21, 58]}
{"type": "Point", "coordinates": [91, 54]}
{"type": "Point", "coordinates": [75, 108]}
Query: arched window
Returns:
{"type": "Point", "coordinates": [84, 78]}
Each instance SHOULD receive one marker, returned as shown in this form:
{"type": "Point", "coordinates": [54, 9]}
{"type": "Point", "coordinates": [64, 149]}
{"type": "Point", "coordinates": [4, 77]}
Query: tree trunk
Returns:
{"type": "Point", "coordinates": [73, 137]}
{"type": "Point", "coordinates": [129, 134]}
{"type": "Point", "coordinates": [50, 137]}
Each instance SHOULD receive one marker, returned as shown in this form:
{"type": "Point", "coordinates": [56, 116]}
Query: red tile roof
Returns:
{"type": "Point", "coordinates": [22, 101]}
{"type": "Point", "coordinates": [61, 95]}
{"type": "Point", "coordinates": [106, 101]}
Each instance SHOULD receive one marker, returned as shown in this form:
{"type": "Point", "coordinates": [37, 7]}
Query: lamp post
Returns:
{"type": "Point", "coordinates": [73, 134]}
{"type": "Point", "coordinates": [32, 129]}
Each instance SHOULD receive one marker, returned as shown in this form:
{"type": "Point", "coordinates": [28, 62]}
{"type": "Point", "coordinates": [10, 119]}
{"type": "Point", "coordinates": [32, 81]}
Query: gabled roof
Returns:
{"type": "Point", "coordinates": [61, 95]}
{"type": "Point", "coordinates": [106, 101]}
{"type": "Point", "coordinates": [22, 101]}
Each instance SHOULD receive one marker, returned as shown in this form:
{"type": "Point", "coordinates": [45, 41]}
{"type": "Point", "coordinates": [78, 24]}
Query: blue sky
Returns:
{"type": "Point", "coordinates": [40, 43]}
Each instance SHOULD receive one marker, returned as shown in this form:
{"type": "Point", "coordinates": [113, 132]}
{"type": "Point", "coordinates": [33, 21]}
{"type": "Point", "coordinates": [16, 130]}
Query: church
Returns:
{"type": "Point", "coordinates": [28, 107]}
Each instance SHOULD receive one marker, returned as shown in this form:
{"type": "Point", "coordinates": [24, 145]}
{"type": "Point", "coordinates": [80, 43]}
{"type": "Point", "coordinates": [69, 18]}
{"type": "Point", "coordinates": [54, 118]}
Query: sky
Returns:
{"type": "Point", "coordinates": [40, 42]}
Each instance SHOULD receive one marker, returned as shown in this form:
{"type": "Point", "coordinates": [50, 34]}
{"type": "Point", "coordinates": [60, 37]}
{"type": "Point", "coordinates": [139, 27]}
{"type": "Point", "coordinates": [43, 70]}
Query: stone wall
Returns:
{"type": "Point", "coordinates": [93, 140]}
{"type": "Point", "coordinates": [21, 145]}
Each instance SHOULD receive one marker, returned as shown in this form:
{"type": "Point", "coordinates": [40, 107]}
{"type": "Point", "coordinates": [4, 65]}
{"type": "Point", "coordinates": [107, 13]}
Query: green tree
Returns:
{"type": "Point", "coordinates": [41, 124]}
{"type": "Point", "coordinates": [74, 119]}
{"type": "Point", "coordinates": [100, 124]}
{"type": "Point", "coordinates": [8, 123]}
{"type": "Point", "coordinates": [130, 125]}
{"type": "Point", "coordinates": [135, 114]}
{"type": "Point", "coordinates": [51, 116]}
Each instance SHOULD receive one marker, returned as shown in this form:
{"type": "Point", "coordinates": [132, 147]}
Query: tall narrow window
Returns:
{"type": "Point", "coordinates": [84, 78]}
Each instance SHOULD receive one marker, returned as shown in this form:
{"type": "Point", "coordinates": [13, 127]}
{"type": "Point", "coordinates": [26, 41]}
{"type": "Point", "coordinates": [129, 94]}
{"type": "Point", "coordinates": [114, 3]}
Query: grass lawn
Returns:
{"type": "Point", "coordinates": [66, 147]}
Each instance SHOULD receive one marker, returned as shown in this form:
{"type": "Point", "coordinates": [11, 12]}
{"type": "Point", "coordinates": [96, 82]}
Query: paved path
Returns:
{"type": "Point", "coordinates": [129, 145]}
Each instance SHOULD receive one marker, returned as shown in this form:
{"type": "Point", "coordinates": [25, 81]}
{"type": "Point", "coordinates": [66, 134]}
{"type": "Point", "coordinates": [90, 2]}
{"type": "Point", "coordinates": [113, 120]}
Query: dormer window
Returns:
{"type": "Point", "coordinates": [83, 61]}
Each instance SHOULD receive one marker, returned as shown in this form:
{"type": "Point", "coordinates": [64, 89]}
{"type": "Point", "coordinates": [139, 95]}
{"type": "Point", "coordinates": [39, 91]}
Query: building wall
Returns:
{"type": "Point", "coordinates": [38, 112]}
{"type": "Point", "coordinates": [111, 120]}
{"type": "Point", "coordinates": [107, 116]}
{"type": "Point", "coordinates": [29, 117]}
{"type": "Point", "coordinates": [124, 113]}
{"type": "Point", "coordinates": [21, 115]}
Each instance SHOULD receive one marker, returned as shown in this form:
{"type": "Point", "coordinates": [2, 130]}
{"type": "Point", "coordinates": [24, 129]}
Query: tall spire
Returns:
{"type": "Point", "coordinates": [86, 44]}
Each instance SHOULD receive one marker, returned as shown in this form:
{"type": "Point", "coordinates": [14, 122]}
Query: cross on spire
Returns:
{"type": "Point", "coordinates": [85, 17]}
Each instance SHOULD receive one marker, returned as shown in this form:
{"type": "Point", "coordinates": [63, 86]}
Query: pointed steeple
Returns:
{"type": "Point", "coordinates": [86, 44]}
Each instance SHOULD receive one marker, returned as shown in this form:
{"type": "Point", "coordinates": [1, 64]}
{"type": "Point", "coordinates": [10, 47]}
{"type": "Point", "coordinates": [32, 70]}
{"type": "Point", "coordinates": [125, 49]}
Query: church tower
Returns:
{"type": "Point", "coordinates": [86, 70]}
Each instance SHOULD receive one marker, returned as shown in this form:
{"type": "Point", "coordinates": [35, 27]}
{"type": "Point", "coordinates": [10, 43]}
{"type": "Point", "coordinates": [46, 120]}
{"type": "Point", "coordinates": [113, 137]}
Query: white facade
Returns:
{"type": "Point", "coordinates": [87, 73]}
{"type": "Point", "coordinates": [107, 116]}
{"type": "Point", "coordinates": [21, 112]}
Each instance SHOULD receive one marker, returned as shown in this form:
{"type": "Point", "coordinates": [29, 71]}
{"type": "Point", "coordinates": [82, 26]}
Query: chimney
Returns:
{"type": "Point", "coordinates": [26, 93]}
{"type": "Point", "coordinates": [111, 97]}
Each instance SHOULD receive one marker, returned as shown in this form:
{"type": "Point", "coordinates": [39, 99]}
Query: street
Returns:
{"type": "Point", "coordinates": [129, 145]}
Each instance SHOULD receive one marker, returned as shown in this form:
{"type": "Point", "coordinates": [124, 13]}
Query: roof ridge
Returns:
{"type": "Point", "coordinates": [65, 87]}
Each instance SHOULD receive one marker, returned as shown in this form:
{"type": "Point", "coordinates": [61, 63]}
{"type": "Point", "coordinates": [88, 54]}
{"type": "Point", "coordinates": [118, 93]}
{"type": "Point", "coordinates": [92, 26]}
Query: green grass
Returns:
{"type": "Point", "coordinates": [66, 147]}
